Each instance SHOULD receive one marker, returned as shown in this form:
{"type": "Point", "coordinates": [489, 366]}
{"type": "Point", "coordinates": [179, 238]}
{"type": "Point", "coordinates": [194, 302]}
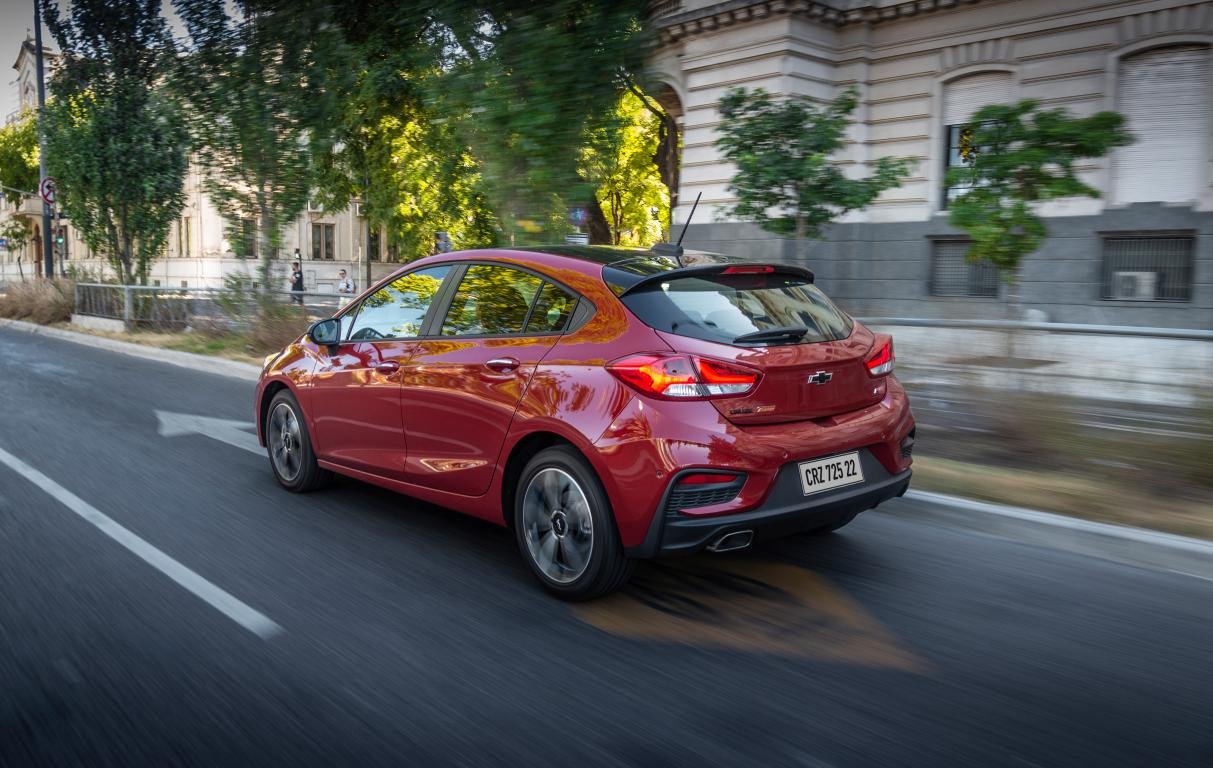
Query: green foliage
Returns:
{"type": "Point", "coordinates": [19, 157]}
{"type": "Point", "coordinates": [525, 82]}
{"type": "Point", "coordinates": [786, 180]}
{"type": "Point", "coordinates": [618, 159]}
{"type": "Point", "coordinates": [16, 232]}
{"type": "Point", "coordinates": [114, 141]}
{"type": "Point", "coordinates": [1019, 155]}
{"type": "Point", "coordinates": [266, 78]}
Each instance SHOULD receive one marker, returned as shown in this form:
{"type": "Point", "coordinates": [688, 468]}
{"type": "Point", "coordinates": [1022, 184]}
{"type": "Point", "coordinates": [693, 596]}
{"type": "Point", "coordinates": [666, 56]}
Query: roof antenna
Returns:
{"type": "Point", "coordinates": [674, 250]}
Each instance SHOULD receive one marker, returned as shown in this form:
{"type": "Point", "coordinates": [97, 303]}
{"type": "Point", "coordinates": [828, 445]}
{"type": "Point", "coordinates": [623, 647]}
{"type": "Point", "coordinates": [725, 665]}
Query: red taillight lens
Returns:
{"type": "Point", "coordinates": [881, 363]}
{"type": "Point", "coordinates": [706, 478]}
{"type": "Point", "coordinates": [754, 270]}
{"type": "Point", "coordinates": [683, 377]}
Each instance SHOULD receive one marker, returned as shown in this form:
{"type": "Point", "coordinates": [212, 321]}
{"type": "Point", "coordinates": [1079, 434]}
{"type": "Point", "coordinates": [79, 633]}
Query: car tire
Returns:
{"type": "Point", "coordinates": [289, 446]}
{"type": "Point", "coordinates": [565, 528]}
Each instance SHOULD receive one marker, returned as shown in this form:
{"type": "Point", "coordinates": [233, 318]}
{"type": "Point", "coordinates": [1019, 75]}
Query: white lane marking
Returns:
{"type": "Point", "coordinates": [222, 601]}
{"type": "Point", "coordinates": [224, 430]}
{"type": "Point", "coordinates": [1140, 535]}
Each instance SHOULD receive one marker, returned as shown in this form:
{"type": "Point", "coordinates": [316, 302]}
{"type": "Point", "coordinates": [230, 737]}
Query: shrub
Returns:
{"type": "Point", "coordinates": [39, 301]}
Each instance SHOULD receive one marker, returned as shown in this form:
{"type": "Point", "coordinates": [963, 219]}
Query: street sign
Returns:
{"type": "Point", "coordinates": [47, 189]}
{"type": "Point", "coordinates": [578, 216]}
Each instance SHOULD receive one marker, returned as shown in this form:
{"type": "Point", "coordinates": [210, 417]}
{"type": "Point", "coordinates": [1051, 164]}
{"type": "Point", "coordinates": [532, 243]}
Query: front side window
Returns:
{"type": "Point", "coordinates": [726, 308]}
{"type": "Point", "coordinates": [398, 309]}
{"type": "Point", "coordinates": [491, 301]}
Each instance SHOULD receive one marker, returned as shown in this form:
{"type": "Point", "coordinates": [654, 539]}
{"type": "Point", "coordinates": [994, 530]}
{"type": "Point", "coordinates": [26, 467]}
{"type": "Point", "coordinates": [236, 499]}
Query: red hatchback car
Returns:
{"type": "Point", "coordinates": [606, 404]}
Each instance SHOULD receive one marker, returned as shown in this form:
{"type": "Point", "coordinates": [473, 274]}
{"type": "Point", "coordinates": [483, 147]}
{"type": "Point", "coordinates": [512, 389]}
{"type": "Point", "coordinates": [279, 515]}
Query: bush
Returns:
{"type": "Point", "coordinates": [39, 301]}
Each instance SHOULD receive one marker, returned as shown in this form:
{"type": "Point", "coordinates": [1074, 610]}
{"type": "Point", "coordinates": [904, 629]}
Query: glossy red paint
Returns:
{"type": "Point", "coordinates": [445, 426]}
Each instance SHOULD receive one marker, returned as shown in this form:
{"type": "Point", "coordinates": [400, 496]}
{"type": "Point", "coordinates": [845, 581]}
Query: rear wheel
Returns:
{"type": "Point", "coordinates": [565, 528]}
{"type": "Point", "coordinates": [290, 446]}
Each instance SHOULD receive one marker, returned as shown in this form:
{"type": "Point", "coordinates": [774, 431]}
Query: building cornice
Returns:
{"type": "Point", "coordinates": [678, 26]}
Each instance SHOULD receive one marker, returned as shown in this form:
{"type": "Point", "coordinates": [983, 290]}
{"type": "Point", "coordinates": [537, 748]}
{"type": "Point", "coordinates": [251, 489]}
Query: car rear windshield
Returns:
{"type": "Point", "coordinates": [724, 307]}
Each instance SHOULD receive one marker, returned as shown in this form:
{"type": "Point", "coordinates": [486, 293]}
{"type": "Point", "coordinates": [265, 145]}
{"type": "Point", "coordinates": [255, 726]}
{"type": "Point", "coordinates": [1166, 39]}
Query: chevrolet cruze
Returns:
{"type": "Point", "coordinates": [605, 404]}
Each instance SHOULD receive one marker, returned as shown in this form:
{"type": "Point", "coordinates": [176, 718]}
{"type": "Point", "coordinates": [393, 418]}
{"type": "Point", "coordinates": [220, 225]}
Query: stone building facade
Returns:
{"type": "Point", "coordinates": [201, 248]}
{"type": "Point", "coordinates": [1140, 255]}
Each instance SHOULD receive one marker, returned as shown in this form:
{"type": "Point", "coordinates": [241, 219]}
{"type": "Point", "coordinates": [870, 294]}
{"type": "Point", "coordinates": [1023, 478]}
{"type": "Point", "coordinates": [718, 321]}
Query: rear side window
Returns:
{"type": "Point", "coordinates": [722, 307]}
{"type": "Point", "coordinates": [491, 301]}
{"type": "Point", "coordinates": [552, 311]}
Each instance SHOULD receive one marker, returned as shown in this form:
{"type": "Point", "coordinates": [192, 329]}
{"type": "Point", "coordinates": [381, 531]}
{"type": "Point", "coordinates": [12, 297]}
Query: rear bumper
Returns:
{"type": "Point", "coordinates": [786, 511]}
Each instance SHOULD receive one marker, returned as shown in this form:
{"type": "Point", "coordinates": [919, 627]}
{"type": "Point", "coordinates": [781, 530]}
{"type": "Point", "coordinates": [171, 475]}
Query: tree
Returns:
{"type": "Point", "coordinates": [408, 167]}
{"type": "Point", "coordinates": [618, 158]}
{"type": "Point", "coordinates": [265, 78]}
{"type": "Point", "coordinates": [19, 157]}
{"type": "Point", "coordinates": [114, 141]}
{"type": "Point", "coordinates": [1018, 155]}
{"type": "Point", "coordinates": [525, 83]}
{"type": "Point", "coordinates": [786, 179]}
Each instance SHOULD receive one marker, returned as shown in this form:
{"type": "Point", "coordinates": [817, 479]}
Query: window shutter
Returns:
{"type": "Point", "coordinates": [963, 97]}
{"type": "Point", "coordinates": [1164, 95]}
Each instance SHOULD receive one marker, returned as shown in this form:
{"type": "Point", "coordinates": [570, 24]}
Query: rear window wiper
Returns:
{"type": "Point", "coordinates": [790, 332]}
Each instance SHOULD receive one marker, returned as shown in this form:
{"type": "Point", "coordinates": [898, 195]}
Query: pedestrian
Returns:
{"type": "Point", "coordinates": [345, 288]}
{"type": "Point", "coordinates": [296, 284]}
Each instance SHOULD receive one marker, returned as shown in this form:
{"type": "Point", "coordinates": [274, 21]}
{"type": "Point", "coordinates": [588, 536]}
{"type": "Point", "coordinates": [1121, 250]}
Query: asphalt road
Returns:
{"type": "Point", "coordinates": [396, 633]}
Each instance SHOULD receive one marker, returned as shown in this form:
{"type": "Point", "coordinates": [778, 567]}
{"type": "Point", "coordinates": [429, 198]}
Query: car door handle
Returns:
{"type": "Point", "coordinates": [387, 366]}
{"type": "Point", "coordinates": [502, 364]}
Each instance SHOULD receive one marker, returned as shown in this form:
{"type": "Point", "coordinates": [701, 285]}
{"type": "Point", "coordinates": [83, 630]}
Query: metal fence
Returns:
{"type": "Point", "coordinates": [176, 309]}
{"type": "Point", "coordinates": [1147, 268]}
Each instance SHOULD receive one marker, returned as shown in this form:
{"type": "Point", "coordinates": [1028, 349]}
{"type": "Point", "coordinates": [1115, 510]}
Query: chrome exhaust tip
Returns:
{"type": "Point", "coordinates": [731, 541]}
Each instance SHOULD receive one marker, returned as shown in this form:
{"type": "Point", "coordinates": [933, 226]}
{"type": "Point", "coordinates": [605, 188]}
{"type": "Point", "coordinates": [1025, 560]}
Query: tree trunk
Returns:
{"type": "Point", "coordinates": [263, 241]}
{"type": "Point", "coordinates": [600, 230]}
{"type": "Point", "coordinates": [802, 244]}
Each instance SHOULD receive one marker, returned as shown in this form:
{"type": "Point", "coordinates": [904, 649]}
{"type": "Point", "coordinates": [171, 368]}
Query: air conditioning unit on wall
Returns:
{"type": "Point", "coordinates": [1134, 286]}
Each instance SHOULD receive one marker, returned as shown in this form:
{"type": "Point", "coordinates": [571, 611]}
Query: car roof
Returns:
{"type": "Point", "coordinates": [621, 267]}
{"type": "Point", "coordinates": [624, 267]}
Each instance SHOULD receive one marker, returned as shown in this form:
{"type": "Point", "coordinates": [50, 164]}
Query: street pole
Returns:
{"type": "Point", "coordinates": [48, 257]}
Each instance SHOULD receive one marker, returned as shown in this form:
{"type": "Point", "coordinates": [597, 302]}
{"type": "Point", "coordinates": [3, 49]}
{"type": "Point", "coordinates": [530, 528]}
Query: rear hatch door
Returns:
{"type": "Point", "coordinates": [772, 319]}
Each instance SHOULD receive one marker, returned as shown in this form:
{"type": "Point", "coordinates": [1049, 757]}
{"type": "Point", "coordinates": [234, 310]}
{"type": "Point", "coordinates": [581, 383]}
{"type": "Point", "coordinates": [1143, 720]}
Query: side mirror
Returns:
{"type": "Point", "coordinates": [326, 333]}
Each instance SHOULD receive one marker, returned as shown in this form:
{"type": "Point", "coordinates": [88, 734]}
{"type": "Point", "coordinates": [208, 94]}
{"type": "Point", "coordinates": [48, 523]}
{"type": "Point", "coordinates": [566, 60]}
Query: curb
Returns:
{"type": "Point", "coordinates": [233, 369]}
{"type": "Point", "coordinates": [1120, 543]}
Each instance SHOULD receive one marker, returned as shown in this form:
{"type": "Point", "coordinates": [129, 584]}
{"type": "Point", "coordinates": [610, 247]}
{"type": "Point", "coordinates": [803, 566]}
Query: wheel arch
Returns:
{"type": "Point", "coordinates": [522, 452]}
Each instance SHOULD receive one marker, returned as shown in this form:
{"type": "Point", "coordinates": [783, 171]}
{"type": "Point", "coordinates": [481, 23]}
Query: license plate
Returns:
{"type": "Point", "coordinates": [823, 474]}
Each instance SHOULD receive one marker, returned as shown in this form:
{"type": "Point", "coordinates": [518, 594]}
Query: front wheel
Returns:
{"type": "Point", "coordinates": [565, 528]}
{"type": "Point", "coordinates": [290, 446]}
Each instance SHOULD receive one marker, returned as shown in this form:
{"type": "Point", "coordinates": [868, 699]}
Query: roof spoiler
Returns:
{"type": "Point", "coordinates": [724, 268]}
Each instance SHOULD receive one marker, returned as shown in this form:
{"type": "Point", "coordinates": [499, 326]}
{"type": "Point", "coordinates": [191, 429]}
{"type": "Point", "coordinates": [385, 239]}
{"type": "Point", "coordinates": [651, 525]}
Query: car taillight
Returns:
{"type": "Point", "coordinates": [881, 363]}
{"type": "Point", "coordinates": [683, 377]}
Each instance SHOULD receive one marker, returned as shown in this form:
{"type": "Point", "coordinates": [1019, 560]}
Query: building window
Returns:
{"type": "Point", "coordinates": [1150, 267]}
{"type": "Point", "coordinates": [245, 245]}
{"type": "Point", "coordinates": [1164, 96]}
{"type": "Point", "coordinates": [962, 98]}
{"type": "Point", "coordinates": [183, 237]}
{"type": "Point", "coordinates": [323, 237]}
{"type": "Point", "coordinates": [952, 274]}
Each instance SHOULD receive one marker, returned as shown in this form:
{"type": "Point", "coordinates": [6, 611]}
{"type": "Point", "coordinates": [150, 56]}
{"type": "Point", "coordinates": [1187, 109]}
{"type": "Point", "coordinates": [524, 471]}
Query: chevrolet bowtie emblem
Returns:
{"type": "Point", "coordinates": [821, 377]}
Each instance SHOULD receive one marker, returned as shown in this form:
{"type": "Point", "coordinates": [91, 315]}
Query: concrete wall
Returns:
{"type": "Point", "coordinates": [885, 269]}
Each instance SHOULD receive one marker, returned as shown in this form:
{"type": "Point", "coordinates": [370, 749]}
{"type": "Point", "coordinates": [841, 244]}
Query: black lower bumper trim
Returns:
{"type": "Point", "coordinates": [785, 512]}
